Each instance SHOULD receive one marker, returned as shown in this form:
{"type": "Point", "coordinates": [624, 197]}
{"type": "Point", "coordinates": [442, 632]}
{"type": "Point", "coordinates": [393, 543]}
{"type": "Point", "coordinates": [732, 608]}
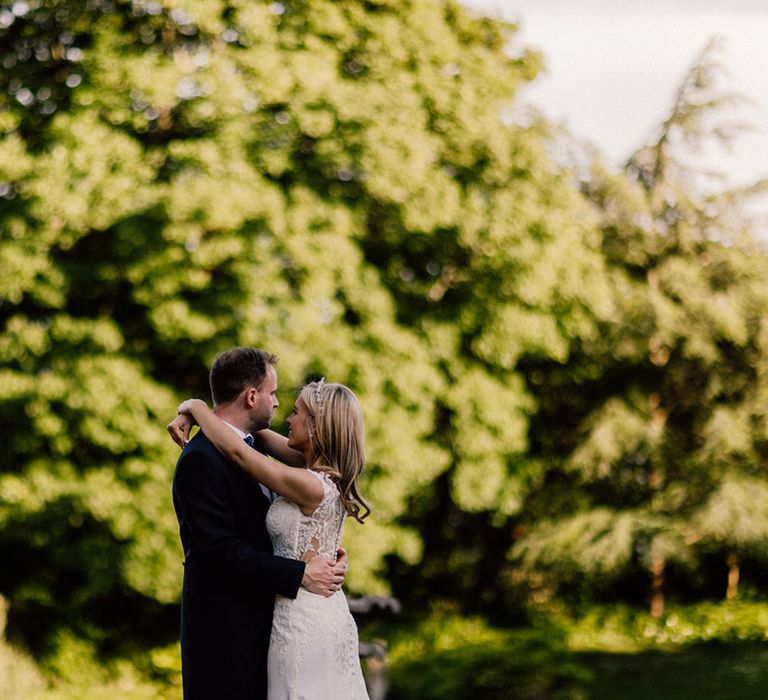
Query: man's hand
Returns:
{"type": "Point", "coordinates": [342, 559]}
{"type": "Point", "coordinates": [323, 577]}
{"type": "Point", "coordinates": [179, 429]}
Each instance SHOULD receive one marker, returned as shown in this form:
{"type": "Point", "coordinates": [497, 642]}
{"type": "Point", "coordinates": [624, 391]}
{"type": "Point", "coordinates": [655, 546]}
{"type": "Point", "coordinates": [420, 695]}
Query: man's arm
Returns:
{"type": "Point", "coordinates": [201, 495]}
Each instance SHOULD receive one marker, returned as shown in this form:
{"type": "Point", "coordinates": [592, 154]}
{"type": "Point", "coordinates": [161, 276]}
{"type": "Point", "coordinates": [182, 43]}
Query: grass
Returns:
{"type": "Point", "coordinates": [704, 672]}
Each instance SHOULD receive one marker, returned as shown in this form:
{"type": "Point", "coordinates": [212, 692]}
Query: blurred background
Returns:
{"type": "Point", "coordinates": [559, 342]}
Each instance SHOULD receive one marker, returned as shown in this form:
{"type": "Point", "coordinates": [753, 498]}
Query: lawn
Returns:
{"type": "Point", "coordinates": [707, 672]}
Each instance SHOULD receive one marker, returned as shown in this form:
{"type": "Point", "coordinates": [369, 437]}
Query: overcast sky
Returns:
{"type": "Point", "coordinates": [612, 66]}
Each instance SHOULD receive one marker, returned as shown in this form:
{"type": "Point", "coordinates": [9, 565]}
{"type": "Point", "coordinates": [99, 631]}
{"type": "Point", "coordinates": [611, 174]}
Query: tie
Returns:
{"type": "Point", "coordinates": [248, 439]}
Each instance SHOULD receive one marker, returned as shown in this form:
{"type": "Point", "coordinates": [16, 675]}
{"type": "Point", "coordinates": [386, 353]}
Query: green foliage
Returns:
{"type": "Point", "coordinates": [621, 628]}
{"type": "Point", "coordinates": [344, 184]}
{"type": "Point", "coordinates": [76, 672]}
{"type": "Point", "coordinates": [452, 657]}
{"type": "Point", "coordinates": [563, 381]}
{"type": "Point", "coordinates": [662, 457]}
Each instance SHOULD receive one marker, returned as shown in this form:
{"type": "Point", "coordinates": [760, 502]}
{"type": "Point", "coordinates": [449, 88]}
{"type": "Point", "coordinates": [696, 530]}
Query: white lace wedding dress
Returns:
{"type": "Point", "coordinates": [313, 651]}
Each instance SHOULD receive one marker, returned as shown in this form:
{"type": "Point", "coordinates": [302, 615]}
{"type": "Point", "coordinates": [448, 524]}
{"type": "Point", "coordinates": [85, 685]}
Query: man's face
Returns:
{"type": "Point", "coordinates": [265, 402]}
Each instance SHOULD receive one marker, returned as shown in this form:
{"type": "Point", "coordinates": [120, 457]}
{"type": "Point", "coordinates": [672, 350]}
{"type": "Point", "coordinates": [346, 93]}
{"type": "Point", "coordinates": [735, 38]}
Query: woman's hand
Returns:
{"type": "Point", "coordinates": [179, 429]}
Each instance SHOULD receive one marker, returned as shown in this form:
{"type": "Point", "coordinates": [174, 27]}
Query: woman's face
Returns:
{"type": "Point", "coordinates": [298, 432]}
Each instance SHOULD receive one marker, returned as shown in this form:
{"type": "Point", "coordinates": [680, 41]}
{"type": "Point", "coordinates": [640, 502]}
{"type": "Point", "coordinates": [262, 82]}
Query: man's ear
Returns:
{"type": "Point", "coordinates": [250, 396]}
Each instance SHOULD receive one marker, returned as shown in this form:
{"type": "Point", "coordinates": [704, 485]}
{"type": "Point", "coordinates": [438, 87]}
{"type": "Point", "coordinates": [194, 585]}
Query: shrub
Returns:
{"type": "Point", "coordinates": [453, 657]}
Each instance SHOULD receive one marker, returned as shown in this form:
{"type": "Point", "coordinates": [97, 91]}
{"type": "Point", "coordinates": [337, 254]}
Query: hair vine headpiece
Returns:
{"type": "Point", "coordinates": [318, 398]}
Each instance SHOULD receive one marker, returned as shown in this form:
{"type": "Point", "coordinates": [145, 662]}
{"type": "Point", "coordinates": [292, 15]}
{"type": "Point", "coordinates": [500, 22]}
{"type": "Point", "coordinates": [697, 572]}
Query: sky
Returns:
{"type": "Point", "coordinates": [612, 67]}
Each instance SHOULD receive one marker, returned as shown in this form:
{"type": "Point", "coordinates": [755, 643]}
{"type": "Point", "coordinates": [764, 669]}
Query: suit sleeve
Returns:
{"type": "Point", "coordinates": [201, 494]}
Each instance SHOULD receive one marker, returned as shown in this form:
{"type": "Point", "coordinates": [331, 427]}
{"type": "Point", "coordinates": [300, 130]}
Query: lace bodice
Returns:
{"type": "Point", "coordinates": [313, 649]}
{"type": "Point", "coordinates": [294, 534]}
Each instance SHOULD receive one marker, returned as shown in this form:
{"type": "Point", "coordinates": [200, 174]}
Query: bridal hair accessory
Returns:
{"type": "Point", "coordinates": [317, 395]}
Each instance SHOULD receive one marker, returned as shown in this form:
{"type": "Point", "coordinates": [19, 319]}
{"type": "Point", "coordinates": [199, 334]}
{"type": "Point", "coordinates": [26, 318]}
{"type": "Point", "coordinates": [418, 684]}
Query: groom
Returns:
{"type": "Point", "coordinates": [230, 574]}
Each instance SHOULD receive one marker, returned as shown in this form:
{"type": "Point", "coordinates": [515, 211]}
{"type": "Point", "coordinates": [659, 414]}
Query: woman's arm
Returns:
{"type": "Point", "coordinates": [267, 441]}
{"type": "Point", "coordinates": [276, 445]}
{"type": "Point", "coordinates": [296, 485]}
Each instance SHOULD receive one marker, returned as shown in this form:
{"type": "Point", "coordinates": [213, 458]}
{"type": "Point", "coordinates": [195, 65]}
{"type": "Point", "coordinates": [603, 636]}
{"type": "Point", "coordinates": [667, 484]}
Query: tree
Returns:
{"type": "Point", "coordinates": [670, 399]}
{"type": "Point", "coordinates": [344, 183]}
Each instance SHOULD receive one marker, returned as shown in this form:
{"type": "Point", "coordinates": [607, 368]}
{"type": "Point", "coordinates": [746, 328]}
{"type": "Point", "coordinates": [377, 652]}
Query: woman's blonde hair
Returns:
{"type": "Point", "coordinates": [337, 440]}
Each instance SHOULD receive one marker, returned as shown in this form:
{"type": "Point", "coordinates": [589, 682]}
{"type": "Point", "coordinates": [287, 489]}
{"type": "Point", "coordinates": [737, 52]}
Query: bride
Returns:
{"type": "Point", "coordinates": [313, 649]}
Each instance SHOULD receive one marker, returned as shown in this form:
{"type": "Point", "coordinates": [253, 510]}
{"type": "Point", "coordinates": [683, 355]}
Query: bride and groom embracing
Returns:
{"type": "Point", "coordinates": [262, 611]}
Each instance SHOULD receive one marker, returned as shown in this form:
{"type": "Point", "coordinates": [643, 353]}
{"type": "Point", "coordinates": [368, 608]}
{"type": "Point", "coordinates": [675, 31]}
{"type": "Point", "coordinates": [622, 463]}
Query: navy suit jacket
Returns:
{"type": "Point", "coordinates": [230, 576]}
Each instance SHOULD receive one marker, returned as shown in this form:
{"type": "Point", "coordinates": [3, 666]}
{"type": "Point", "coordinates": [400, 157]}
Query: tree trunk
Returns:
{"type": "Point", "coordinates": [733, 577]}
{"type": "Point", "coordinates": [657, 587]}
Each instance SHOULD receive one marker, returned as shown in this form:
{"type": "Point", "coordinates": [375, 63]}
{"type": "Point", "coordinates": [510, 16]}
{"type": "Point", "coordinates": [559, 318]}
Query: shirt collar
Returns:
{"type": "Point", "coordinates": [239, 432]}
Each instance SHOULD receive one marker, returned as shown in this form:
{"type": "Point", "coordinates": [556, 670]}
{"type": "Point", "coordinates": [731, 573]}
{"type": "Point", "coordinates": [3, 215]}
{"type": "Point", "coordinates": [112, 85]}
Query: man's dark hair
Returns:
{"type": "Point", "coordinates": [237, 368]}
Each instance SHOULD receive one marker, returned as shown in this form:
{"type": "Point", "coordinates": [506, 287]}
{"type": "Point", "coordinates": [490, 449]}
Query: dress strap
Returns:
{"type": "Point", "coordinates": [320, 476]}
